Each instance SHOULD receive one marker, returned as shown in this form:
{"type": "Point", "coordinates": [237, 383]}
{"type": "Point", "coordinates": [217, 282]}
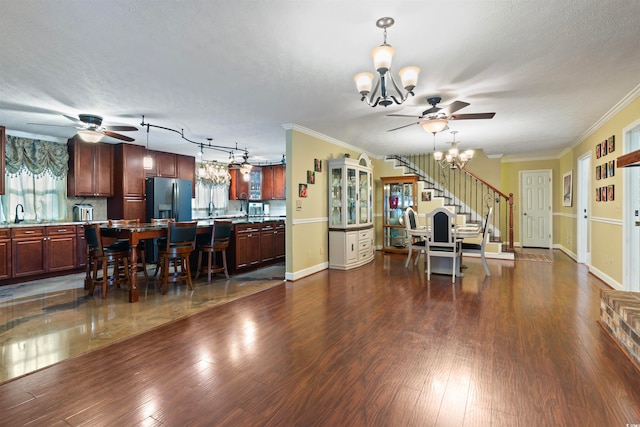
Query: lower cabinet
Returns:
{"type": "Point", "coordinates": [40, 250]}
{"type": "Point", "coordinates": [81, 245]}
{"type": "Point", "coordinates": [5, 253]}
{"type": "Point", "coordinates": [350, 248]}
{"type": "Point", "coordinates": [256, 245]}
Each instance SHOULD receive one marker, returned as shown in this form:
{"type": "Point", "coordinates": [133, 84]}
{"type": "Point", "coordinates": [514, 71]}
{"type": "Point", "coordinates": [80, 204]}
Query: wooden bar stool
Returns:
{"type": "Point", "coordinates": [105, 255]}
{"type": "Point", "coordinates": [162, 241]}
{"type": "Point", "coordinates": [181, 242]}
{"type": "Point", "coordinates": [140, 248]}
{"type": "Point", "coordinates": [220, 238]}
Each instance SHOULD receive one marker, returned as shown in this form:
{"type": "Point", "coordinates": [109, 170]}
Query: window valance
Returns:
{"type": "Point", "coordinates": [36, 157]}
{"type": "Point", "coordinates": [213, 175]}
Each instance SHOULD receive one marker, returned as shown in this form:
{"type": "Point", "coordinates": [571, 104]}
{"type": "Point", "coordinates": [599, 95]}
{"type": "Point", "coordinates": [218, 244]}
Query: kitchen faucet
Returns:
{"type": "Point", "coordinates": [244, 198]}
{"type": "Point", "coordinates": [18, 219]}
{"type": "Point", "coordinates": [210, 209]}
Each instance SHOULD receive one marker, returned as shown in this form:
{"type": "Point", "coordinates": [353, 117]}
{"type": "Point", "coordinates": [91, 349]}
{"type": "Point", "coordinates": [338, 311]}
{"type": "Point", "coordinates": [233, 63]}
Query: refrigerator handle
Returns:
{"type": "Point", "coordinates": [174, 201]}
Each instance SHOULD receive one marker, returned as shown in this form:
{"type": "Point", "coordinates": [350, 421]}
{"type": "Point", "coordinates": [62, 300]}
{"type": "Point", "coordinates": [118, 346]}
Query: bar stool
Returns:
{"type": "Point", "coordinates": [97, 253]}
{"type": "Point", "coordinates": [140, 247]}
{"type": "Point", "coordinates": [161, 243]}
{"type": "Point", "coordinates": [220, 238]}
{"type": "Point", "coordinates": [181, 242]}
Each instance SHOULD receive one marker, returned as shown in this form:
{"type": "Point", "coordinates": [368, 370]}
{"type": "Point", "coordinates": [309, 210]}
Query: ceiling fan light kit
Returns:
{"type": "Point", "coordinates": [382, 57]}
{"type": "Point", "coordinates": [434, 125]}
{"type": "Point", "coordinates": [88, 135]}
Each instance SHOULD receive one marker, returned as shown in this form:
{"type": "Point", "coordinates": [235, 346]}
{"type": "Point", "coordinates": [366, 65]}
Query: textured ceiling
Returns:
{"type": "Point", "coordinates": [236, 71]}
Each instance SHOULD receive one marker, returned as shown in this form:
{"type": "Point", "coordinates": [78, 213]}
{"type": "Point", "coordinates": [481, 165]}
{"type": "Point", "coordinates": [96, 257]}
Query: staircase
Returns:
{"type": "Point", "coordinates": [464, 193]}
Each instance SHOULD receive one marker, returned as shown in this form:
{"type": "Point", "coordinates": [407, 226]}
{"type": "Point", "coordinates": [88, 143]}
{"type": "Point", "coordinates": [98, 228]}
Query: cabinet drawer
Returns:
{"type": "Point", "coordinates": [364, 254]}
{"type": "Point", "coordinates": [5, 233]}
{"type": "Point", "coordinates": [365, 235]}
{"type": "Point", "coordinates": [18, 233]}
{"type": "Point", "coordinates": [53, 230]}
{"type": "Point", "coordinates": [365, 244]}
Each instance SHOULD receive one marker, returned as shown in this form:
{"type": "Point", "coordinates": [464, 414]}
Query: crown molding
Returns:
{"type": "Point", "coordinates": [313, 133]}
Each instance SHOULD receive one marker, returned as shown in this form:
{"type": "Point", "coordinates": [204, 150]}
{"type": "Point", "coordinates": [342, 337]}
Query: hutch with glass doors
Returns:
{"type": "Point", "coordinates": [350, 212]}
{"type": "Point", "coordinates": [399, 193]}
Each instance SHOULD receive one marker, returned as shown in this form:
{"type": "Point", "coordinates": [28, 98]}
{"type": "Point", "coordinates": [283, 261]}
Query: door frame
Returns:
{"type": "Point", "coordinates": [583, 211]}
{"type": "Point", "coordinates": [630, 203]}
{"type": "Point", "coordinates": [550, 211]}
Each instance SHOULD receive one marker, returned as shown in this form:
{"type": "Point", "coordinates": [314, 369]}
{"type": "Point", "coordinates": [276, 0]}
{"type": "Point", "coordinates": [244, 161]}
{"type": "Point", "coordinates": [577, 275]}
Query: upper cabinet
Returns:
{"type": "Point", "coordinates": [90, 169]}
{"type": "Point", "coordinates": [2, 144]}
{"type": "Point", "coordinates": [350, 193]}
{"type": "Point", "coordinates": [239, 188]}
{"type": "Point", "coordinates": [164, 165]}
{"type": "Point", "coordinates": [129, 171]}
{"type": "Point", "coordinates": [273, 181]}
{"type": "Point", "coordinates": [186, 169]}
{"type": "Point", "coordinates": [265, 183]}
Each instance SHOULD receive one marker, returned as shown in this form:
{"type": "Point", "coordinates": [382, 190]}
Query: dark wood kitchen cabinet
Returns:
{"type": "Point", "coordinates": [267, 242]}
{"type": "Point", "coordinates": [128, 200]}
{"type": "Point", "coordinates": [3, 142]}
{"type": "Point", "coordinates": [90, 169]}
{"type": "Point", "coordinates": [164, 165]}
{"type": "Point", "coordinates": [81, 247]}
{"type": "Point", "coordinates": [279, 241]}
{"type": "Point", "coordinates": [239, 188]}
{"type": "Point", "coordinates": [273, 182]}
{"type": "Point", "coordinates": [186, 169]}
{"type": "Point", "coordinates": [247, 246]}
{"type": "Point", "coordinates": [40, 250]}
{"type": "Point", "coordinates": [5, 253]}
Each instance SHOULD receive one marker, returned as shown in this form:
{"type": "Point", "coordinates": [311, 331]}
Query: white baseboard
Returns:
{"type": "Point", "coordinates": [296, 275]}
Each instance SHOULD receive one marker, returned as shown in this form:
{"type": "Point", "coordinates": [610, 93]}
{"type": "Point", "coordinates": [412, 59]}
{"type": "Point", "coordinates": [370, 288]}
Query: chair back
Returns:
{"type": "Point", "coordinates": [441, 223]}
{"type": "Point", "coordinates": [93, 238]}
{"type": "Point", "coordinates": [181, 234]}
{"type": "Point", "coordinates": [221, 233]}
{"type": "Point", "coordinates": [410, 220]}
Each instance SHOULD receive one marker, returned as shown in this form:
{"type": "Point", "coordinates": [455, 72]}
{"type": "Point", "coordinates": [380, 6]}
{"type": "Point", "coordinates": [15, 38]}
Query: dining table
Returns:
{"type": "Point", "coordinates": [137, 233]}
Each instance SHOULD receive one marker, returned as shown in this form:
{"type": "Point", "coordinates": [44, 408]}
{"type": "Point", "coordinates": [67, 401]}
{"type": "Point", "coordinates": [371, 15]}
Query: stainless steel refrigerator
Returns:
{"type": "Point", "coordinates": [167, 198]}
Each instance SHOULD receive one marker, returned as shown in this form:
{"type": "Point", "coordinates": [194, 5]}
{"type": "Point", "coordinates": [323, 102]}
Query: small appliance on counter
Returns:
{"type": "Point", "coordinates": [82, 212]}
{"type": "Point", "coordinates": [255, 209]}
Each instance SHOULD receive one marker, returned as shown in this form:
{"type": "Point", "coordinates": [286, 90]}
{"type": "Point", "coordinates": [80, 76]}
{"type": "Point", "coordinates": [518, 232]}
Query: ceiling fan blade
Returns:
{"type": "Point", "coordinates": [120, 128]}
{"type": "Point", "coordinates": [73, 119]}
{"type": "Point", "coordinates": [60, 126]}
{"type": "Point", "coordinates": [454, 106]}
{"type": "Point", "coordinates": [431, 110]}
{"type": "Point", "coordinates": [472, 116]}
{"type": "Point", "coordinates": [410, 124]}
{"type": "Point", "coordinates": [403, 115]}
{"type": "Point", "coordinates": [118, 136]}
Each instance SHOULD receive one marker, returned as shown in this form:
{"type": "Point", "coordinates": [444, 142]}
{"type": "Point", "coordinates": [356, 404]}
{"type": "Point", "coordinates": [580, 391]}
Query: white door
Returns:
{"type": "Point", "coordinates": [583, 197]}
{"type": "Point", "coordinates": [536, 209]}
{"type": "Point", "coordinates": [631, 212]}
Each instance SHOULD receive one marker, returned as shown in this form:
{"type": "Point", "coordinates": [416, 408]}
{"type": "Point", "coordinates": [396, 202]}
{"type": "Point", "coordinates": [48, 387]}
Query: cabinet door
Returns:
{"type": "Point", "coordinates": [81, 248]}
{"type": "Point", "coordinates": [352, 247]}
{"type": "Point", "coordinates": [238, 186]}
{"type": "Point", "coordinates": [132, 170]}
{"type": "Point", "coordinates": [279, 179]}
{"type": "Point", "coordinates": [255, 184]}
{"type": "Point", "coordinates": [134, 208]}
{"type": "Point", "coordinates": [267, 183]}
{"type": "Point", "coordinates": [103, 176]}
{"type": "Point", "coordinates": [165, 165]}
{"type": "Point", "coordinates": [186, 169]}
{"type": "Point", "coordinates": [61, 251]}
{"type": "Point", "coordinates": [241, 255]}
{"type": "Point", "coordinates": [28, 256]}
{"type": "Point", "coordinates": [253, 247]}
{"type": "Point", "coordinates": [279, 241]}
{"type": "Point", "coordinates": [267, 243]}
{"type": "Point", "coordinates": [81, 179]}
{"type": "Point", "coordinates": [5, 259]}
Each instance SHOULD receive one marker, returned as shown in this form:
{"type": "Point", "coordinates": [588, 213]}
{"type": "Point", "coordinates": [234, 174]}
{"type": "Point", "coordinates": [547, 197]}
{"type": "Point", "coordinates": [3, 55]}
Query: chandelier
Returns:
{"type": "Point", "coordinates": [453, 158]}
{"type": "Point", "coordinates": [382, 56]}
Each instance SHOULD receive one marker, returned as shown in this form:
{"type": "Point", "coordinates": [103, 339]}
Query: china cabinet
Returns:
{"type": "Point", "coordinates": [399, 193]}
{"type": "Point", "coordinates": [350, 212]}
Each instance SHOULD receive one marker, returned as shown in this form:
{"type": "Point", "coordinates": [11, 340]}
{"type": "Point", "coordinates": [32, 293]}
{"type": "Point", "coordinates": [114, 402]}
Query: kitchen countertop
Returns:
{"type": "Point", "coordinates": [43, 223]}
{"type": "Point", "coordinates": [234, 220]}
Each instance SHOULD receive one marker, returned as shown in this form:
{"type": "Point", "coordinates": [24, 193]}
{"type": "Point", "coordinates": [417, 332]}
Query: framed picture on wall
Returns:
{"type": "Point", "coordinates": [317, 165]}
{"type": "Point", "coordinates": [311, 177]}
{"type": "Point", "coordinates": [612, 143]}
{"type": "Point", "coordinates": [603, 193]}
{"type": "Point", "coordinates": [302, 190]}
{"type": "Point", "coordinates": [598, 172]}
{"type": "Point", "coordinates": [605, 148]}
{"type": "Point", "coordinates": [567, 189]}
{"type": "Point", "coordinates": [604, 171]}
{"type": "Point", "coordinates": [427, 195]}
{"type": "Point", "coordinates": [610, 191]}
{"type": "Point", "coordinates": [598, 194]}
{"type": "Point", "coordinates": [598, 151]}
{"type": "Point", "coordinates": [612, 167]}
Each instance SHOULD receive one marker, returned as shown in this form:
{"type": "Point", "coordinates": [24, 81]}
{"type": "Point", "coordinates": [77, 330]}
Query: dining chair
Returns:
{"type": "Point", "coordinates": [140, 247]}
{"type": "Point", "coordinates": [181, 242]}
{"type": "Point", "coordinates": [220, 239]}
{"type": "Point", "coordinates": [442, 240]}
{"type": "Point", "coordinates": [415, 235]}
{"type": "Point", "coordinates": [480, 248]}
{"type": "Point", "coordinates": [162, 241]}
{"type": "Point", "coordinates": [97, 253]}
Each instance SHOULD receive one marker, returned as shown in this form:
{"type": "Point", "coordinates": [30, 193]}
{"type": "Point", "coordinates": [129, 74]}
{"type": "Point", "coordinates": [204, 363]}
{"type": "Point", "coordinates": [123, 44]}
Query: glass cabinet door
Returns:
{"type": "Point", "coordinates": [351, 196]}
{"type": "Point", "coordinates": [336, 197]}
{"type": "Point", "coordinates": [363, 196]}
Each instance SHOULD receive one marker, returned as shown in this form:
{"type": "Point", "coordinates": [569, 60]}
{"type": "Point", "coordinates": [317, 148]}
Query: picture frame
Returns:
{"type": "Point", "coordinates": [567, 189]}
{"type": "Point", "coordinates": [427, 195]}
{"type": "Point", "coordinates": [605, 148]}
{"type": "Point", "coordinates": [302, 190]}
{"type": "Point", "coordinates": [605, 171]}
{"type": "Point", "coordinates": [610, 193]}
{"type": "Point", "coordinates": [612, 143]}
{"type": "Point", "coordinates": [612, 167]}
{"type": "Point", "coordinates": [598, 172]}
{"type": "Point", "coordinates": [598, 151]}
{"type": "Point", "coordinates": [311, 177]}
{"type": "Point", "coordinates": [598, 194]}
{"type": "Point", "coordinates": [603, 193]}
{"type": "Point", "coordinates": [317, 165]}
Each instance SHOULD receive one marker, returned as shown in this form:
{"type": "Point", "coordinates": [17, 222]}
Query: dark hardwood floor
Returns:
{"type": "Point", "coordinates": [376, 346]}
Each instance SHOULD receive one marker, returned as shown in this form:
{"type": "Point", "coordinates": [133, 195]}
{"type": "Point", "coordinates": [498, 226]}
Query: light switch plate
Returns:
{"type": "Point", "coordinates": [298, 205]}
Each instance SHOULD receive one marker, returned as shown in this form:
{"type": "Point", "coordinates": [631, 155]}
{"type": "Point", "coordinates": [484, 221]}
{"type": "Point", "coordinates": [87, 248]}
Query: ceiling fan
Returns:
{"type": "Point", "coordinates": [435, 119]}
{"type": "Point", "coordinates": [91, 129]}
